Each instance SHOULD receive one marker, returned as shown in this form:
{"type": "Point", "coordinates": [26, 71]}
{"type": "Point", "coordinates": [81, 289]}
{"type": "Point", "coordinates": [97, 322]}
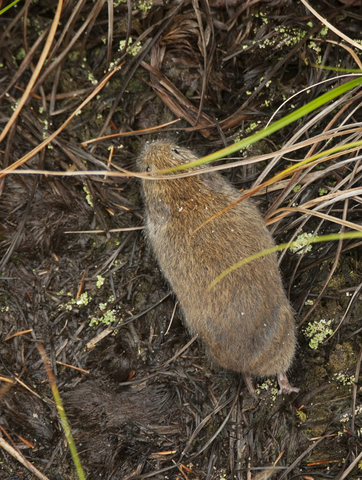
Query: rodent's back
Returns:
{"type": "Point", "coordinates": [246, 318]}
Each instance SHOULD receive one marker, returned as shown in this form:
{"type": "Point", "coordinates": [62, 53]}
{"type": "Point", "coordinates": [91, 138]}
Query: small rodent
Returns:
{"type": "Point", "coordinates": [245, 321]}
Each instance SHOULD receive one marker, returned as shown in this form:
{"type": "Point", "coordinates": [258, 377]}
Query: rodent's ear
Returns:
{"type": "Point", "coordinates": [182, 154]}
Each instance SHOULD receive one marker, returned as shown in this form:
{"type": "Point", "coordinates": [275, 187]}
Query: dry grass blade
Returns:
{"type": "Point", "coordinates": [222, 426]}
{"type": "Point", "coordinates": [307, 211]}
{"type": "Point", "coordinates": [37, 149]}
{"type": "Point", "coordinates": [14, 22]}
{"type": "Point", "coordinates": [98, 286]}
{"type": "Point", "coordinates": [129, 134]}
{"type": "Point", "coordinates": [37, 70]}
{"type": "Point", "coordinates": [351, 467]}
{"type": "Point", "coordinates": [349, 50]}
{"type": "Point", "coordinates": [68, 28]}
{"type": "Point", "coordinates": [333, 28]}
{"type": "Point", "coordinates": [294, 464]}
{"type": "Point", "coordinates": [347, 314]}
{"type": "Point", "coordinates": [132, 66]}
{"type": "Point", "coordinates": [204, 422]}
{"type": "Point", "coordinates": [355, 387]}
{"type": "Point", "coordinates": [25, 63]}
{"type": "Point", "coordinates": [74, 39]}
{"type": "Point", "coordinates": [17, 334]}
{"type": "Point", "coordinates": [177, 102]}
{"type": "Point", "coordinates": [230, 121]}
{"type": "Point", "coordinates": [110, 33]}
{"type": "Point", "coordinates": [22, 460]}
{"type": "Point", "coordinates": [302, 131]}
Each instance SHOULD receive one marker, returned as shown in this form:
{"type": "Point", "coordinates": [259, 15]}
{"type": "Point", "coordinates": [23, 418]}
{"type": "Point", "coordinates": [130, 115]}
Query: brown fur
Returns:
{"type": "Point", "coordinates": [245, 321]}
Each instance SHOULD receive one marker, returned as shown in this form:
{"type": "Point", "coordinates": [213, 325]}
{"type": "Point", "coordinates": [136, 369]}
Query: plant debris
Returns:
{"type": "Point", "coordinates": [139, 404]}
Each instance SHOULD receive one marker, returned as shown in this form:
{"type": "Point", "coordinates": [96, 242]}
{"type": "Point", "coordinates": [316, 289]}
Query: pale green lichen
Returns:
{"type": "Point", "coordinates": [100, 281]}
{"type": "Point", "coordinates": [222, 475]}
{"type": "Point", "coordinates": [83, 299]}
{"type": "Point", "coordinates": [286, 36]}
{"type": "Point", "coordinates": [145, 5]}
{"type": "Point", "coordinates": [317, 332]}
{"type": "Point", "coordinates": [301, 241]}
{"type": "Point", "coordinates": [253, 126]}
{"type": "Point", "coordinates": [73, 55]}
{"type": "Point", "coordinates": [302, 415]}
{"type": "Point", "coordinates": [268, 385]}
{"type": "Point", "coordinates": [20, 55]}
{"type": "Point", "coordinates": [345, 379]}
{"type": "Point", "coordinates": [131, 49]}
{"type": "Point", "coordinates": [346, 417]}
{"type": "Point", "coordinates": [92, 78]}
{"type": "Point", "coordinates": [313, 46]}
{"type": "Point", "coordinates": [107, 318]}
{"type": "Point", "coordinates": [88, 195]}
{"type": "Point", "coordinates": [14, 107]}
{"type": "Point", "coordinates": [297, 188]}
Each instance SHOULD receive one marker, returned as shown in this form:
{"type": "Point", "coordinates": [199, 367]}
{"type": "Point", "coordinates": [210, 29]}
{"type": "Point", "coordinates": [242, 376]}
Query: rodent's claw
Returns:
{"type": "Point", "coordinates": [288, 391]}
{"type": "Point", "coordinates": [285, 386]}
{"type": "Point", "coordinates": [249, 384]}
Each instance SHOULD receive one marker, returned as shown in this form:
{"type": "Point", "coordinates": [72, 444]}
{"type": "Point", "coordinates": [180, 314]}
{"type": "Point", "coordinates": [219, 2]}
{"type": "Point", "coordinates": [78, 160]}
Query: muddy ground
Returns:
{"type": "Point", "coordinates": [139, 403]}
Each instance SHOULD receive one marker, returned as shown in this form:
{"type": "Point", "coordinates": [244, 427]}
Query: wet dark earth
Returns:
{"type": "Point", "coordinates": [77, 275]}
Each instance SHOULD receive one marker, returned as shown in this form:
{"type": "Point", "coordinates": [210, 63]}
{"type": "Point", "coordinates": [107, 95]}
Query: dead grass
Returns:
{"type": "Point", "coordinates": [223, 70]}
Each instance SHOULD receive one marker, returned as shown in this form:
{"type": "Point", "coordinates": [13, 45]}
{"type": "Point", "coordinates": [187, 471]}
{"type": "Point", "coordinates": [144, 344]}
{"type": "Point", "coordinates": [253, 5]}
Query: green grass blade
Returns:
{"type": "Point", "coordinates": [61, 411]}
{"type": "Point", "coordinates": [292, 117]}
{"type": "Point", "coordinates": [9, 6]}
{"type": "Point", "coordinates": [277, 248]}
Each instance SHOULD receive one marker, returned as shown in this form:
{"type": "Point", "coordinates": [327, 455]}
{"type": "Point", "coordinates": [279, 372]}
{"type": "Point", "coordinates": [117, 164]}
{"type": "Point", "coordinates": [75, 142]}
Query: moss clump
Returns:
{"type": "Point", "coordinates": [342, 357]}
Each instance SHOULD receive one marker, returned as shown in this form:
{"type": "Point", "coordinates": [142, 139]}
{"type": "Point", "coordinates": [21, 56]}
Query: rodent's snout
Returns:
{"type": "Point", "coordinates": [155, 156]}
{"type": "Point", "coordinates": [163, 154]}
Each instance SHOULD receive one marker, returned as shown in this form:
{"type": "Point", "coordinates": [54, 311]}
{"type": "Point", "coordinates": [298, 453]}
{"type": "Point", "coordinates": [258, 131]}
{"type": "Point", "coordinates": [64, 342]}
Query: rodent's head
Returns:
{"type": "Point", "coordinates": [163, 154]}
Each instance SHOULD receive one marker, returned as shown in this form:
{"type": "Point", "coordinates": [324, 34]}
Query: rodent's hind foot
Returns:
{"type": "Point", "coordinates": [285, 386]}
{"type": "Point", "coordinates": [250, 385]}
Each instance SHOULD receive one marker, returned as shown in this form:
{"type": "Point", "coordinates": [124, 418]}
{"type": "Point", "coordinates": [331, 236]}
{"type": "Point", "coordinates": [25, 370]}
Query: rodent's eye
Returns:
{"type": "Point", "coordinates": [174, 150]}
{"type": "Point", "coordinates": [148, 168]}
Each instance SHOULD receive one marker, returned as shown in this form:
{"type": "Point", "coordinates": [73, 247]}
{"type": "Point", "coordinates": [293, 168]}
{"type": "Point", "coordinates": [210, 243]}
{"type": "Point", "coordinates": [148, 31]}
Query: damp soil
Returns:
{"type": "Point", "coordinates": [77, 275]}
